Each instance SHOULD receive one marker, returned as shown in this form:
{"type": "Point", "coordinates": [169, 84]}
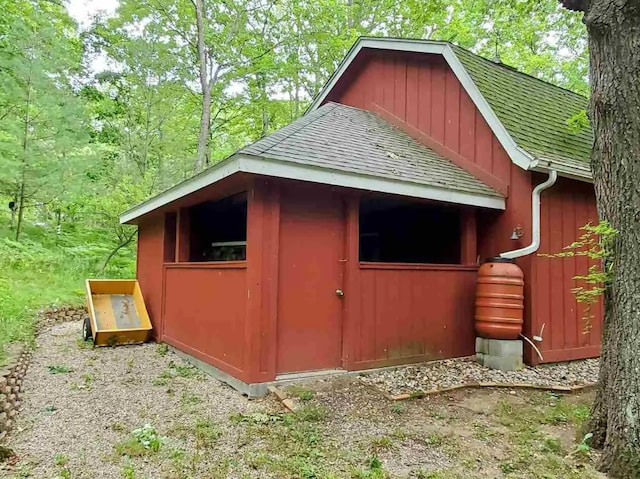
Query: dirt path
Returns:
{"type": "Point", "coordinates": [82, 406]}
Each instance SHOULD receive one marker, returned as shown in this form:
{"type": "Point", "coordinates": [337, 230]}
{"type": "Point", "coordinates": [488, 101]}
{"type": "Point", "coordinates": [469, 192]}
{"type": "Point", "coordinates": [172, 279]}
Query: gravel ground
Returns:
{"type": "Point", "coordinates": [453, 372]}
{"type": "Point", "coordinates": [81, 406]}
{"type": "Point", "coordinates": [75, 418]}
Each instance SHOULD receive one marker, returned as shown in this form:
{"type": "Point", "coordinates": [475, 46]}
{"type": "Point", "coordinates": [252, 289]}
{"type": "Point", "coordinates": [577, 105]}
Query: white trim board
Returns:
{"type": "Point", "coordinates": [516, 154]}
{"type": "Point", "coordinates": [202, 180]}
{"type": "Point", "coordinates": [313, 174]}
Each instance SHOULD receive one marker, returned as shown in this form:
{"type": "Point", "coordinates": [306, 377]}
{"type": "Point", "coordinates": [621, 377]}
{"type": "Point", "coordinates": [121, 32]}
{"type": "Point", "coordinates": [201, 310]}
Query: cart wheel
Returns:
{"type": "Point", "coordinates": [86, 329]}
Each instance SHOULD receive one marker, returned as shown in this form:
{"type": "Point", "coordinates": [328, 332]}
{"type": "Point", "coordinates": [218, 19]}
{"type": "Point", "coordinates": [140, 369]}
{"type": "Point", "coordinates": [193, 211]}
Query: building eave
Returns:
{"type": "Point", "coordinates": [242, 163]}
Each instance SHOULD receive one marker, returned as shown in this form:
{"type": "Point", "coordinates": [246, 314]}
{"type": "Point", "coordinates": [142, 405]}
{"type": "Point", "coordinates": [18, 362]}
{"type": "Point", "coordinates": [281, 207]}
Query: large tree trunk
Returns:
{"type": "Point", "coordinates": [202, 157]}
{"type": "Point", "coordinates": [614, 43]}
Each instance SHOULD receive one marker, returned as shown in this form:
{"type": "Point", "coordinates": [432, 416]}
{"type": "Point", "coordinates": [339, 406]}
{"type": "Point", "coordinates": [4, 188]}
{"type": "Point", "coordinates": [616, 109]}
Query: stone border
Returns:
{"type": "Point", "coordinates": [59, 314]}
{"type": "Point", "coordinates": [11, 377]}
{"type": "Point", "coordinates": [421, 394]}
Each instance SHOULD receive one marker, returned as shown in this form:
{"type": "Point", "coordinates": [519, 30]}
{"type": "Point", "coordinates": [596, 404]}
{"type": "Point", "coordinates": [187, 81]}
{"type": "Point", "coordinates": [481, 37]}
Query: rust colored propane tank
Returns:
{"type": "Point", "coordinates": [499, 299]}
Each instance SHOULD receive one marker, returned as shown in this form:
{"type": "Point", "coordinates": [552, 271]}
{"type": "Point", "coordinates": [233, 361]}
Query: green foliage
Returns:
{"type": "Point", "coordinates": [59, 369]}
{"type": "Point", "coordinates": [596, 244]}
{"type": "Point", "coordinates": [148, 437]}
{"type": "Point", "coordinates": [578, 122]}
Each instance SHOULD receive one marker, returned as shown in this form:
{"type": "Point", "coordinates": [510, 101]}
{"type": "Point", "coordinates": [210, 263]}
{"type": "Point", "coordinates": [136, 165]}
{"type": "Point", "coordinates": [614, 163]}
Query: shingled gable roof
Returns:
{"type": "Point", "coordinates": [527, 115]}
{"type": "Point", "coordinates": [343, 146]}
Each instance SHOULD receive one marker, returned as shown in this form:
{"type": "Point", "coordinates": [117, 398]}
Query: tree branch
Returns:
{"type": "Point", "coordinates": [576, 5]}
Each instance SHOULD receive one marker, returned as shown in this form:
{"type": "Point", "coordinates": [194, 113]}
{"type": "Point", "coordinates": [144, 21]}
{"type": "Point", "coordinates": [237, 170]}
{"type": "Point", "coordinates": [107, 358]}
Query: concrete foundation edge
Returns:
{"type": "Point", "coordinates": [256, 390]}
{"type": "Point", "coordinates": [250, 390]}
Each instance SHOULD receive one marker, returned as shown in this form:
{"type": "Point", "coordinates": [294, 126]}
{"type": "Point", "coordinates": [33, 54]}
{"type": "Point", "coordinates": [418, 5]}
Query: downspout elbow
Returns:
{"type": "Point", "coordinates": [535, 219]}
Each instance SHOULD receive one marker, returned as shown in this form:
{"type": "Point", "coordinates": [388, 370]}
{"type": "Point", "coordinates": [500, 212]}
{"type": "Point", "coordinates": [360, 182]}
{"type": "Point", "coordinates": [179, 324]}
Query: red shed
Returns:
{"type": "Point", "coordinates": [351, 238]}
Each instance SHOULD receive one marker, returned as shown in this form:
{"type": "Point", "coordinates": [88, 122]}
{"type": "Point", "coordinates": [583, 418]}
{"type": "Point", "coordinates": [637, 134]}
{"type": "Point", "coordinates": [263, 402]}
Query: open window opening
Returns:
{"type": "Point", "coordinates": [401, 231]}
{"type": "Point", "coordinates": [218, 230]}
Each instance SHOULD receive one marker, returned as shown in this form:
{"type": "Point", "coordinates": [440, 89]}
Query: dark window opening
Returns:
{"type": "Point", "coordinates": [399, 231]}
{"type": "Point", "coordinates": [218, 230]}
{"type": "Point", "coordinates": [170, 220]}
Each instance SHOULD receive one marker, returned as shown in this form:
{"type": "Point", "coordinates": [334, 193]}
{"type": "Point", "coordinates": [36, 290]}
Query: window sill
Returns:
{"type": "Point", "coordinates": [208, 265]}
{"type": "Point", "coordinates": [418, 266]}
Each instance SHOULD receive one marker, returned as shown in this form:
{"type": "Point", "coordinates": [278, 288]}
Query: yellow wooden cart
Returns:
{"type": "Point", "coordinates": [117, 314]}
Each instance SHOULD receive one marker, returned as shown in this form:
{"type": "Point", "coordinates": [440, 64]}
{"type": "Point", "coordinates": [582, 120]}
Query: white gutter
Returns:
{"type": "Point", "coordinates": [535, 219]}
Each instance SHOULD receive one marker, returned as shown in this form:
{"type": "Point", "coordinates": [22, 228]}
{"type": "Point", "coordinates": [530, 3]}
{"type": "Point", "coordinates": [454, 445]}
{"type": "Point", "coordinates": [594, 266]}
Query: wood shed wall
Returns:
{"type": "Point", "coordinates": [149, 267]}
{"type": "Point", "coordinates": [569, 332]}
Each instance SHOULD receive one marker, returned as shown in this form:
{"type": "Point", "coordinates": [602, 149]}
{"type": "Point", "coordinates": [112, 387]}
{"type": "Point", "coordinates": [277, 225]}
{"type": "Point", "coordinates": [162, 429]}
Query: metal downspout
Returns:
{"type": "Point", "coordinates": [535, 219]}
{"type": "Point", "coordinates": [535, 239]}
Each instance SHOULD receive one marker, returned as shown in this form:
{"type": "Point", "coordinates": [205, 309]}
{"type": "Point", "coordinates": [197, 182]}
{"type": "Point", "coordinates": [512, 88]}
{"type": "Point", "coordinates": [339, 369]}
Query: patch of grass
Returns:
{"type": "Point", "coordinates": [130, 447]}
{"type": "Point", "coordinates": [162, 349]}
{"type": "Point", "coordinates": [438, 415]}
{"type": "Point", "coordinates": [552, 444]}
{"type": "Point", "coordinates": [257, 418]}
{"type": "Point", "coordinates": [117, 427]}
{"type": "Point", "coordinates": [507, 467]}
{"type": "Point", "coordinates": [82, 344]}
{"type": "Point", "coordinates": [439, 474]}
{"type": "Point", "coordinates": [398, 408]}
{"type": "Point", "coordinates": [482, 431]}
{"type": "Point", "coordinates": [142, 441]}
{"type": "Point", "coordinates": [174, 370]}
{"type": "Point", "coordinates": [128, 472]}
{"type": "Point", "coordinates": [381, 443]}
{"type": "Point", "coordinates": [185, 370]}
{"type": "Point", "coordinates": [532, 452]}
{"type": "Point", "coordinates": [59, 369]}
{"type": "Point", "coordinates": [88, 378]}
{"type": "Point", "coordinates": [372, 470]}
{"type": "Point", "coordinates": [435, 439]}
{"type": "Point", "coordinates": [302, 393]}
{"type": "Point", "coordinates": [206, 433]}
{"type": "Point", "coordinates": [60, 460]}
{"type": "Point", "coordinates": [160, 381]}
{"type": "Point", "coordinates": [311, 413]}
{"type": "Point", "coordinates": [190, 399]}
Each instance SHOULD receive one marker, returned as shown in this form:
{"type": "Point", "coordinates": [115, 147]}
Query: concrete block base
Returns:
{"type": "Point", "coordinates": [502, 354]}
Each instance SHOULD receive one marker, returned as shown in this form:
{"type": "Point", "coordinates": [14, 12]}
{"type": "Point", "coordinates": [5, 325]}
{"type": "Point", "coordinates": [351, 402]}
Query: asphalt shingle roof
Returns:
{"type": "Point", "coordinates": [534, 112]}
{"type": "Point", "coordinates": [341, 137]}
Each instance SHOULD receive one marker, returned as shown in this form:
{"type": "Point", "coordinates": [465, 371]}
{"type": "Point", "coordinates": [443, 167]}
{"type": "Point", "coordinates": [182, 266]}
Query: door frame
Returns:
{"type": "Point", "coordinates": [343, 260]}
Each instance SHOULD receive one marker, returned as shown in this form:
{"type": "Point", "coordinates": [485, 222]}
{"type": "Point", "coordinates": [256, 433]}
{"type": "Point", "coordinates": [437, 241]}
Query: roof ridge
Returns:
{"type": "Point", "coordinates": [513, 69]}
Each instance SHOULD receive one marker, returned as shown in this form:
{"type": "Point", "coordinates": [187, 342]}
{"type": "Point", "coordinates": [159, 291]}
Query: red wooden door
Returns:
{"type": "Point", "coordinates": [309, 310]}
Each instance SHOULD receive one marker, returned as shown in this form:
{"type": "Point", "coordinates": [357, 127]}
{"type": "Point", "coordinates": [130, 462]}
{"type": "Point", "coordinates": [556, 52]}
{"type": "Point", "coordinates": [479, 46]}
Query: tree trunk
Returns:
{"type": "Point", "coordinates": [614, 44]}
{"type": "Point", "coordinates": [20, 209]}
{"type": "Point", "coordinates": [25, 149]}
{"type": "Point", "coordinates": [202, 156]}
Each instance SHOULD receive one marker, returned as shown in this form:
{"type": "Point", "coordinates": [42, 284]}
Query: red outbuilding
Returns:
{"type": "Point", "coordinates": [351, 238]}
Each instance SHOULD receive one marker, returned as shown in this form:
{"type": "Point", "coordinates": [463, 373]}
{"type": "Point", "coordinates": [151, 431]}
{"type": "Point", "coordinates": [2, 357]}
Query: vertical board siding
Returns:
{"type": "Point", "coordinates": [149, 262]}
{"type": "Point", "coordinates": [423, 91]}
{"type": "Point", "coordinates": [410, 315]}
{"type": "Point", "coordinates": [204, 313]}
{"type": "Point", "coordinates": [565, 207]}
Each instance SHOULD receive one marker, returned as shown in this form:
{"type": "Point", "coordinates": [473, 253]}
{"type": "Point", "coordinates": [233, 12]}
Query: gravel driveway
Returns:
{"type": "Point", "coordinates": [72, 420]}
